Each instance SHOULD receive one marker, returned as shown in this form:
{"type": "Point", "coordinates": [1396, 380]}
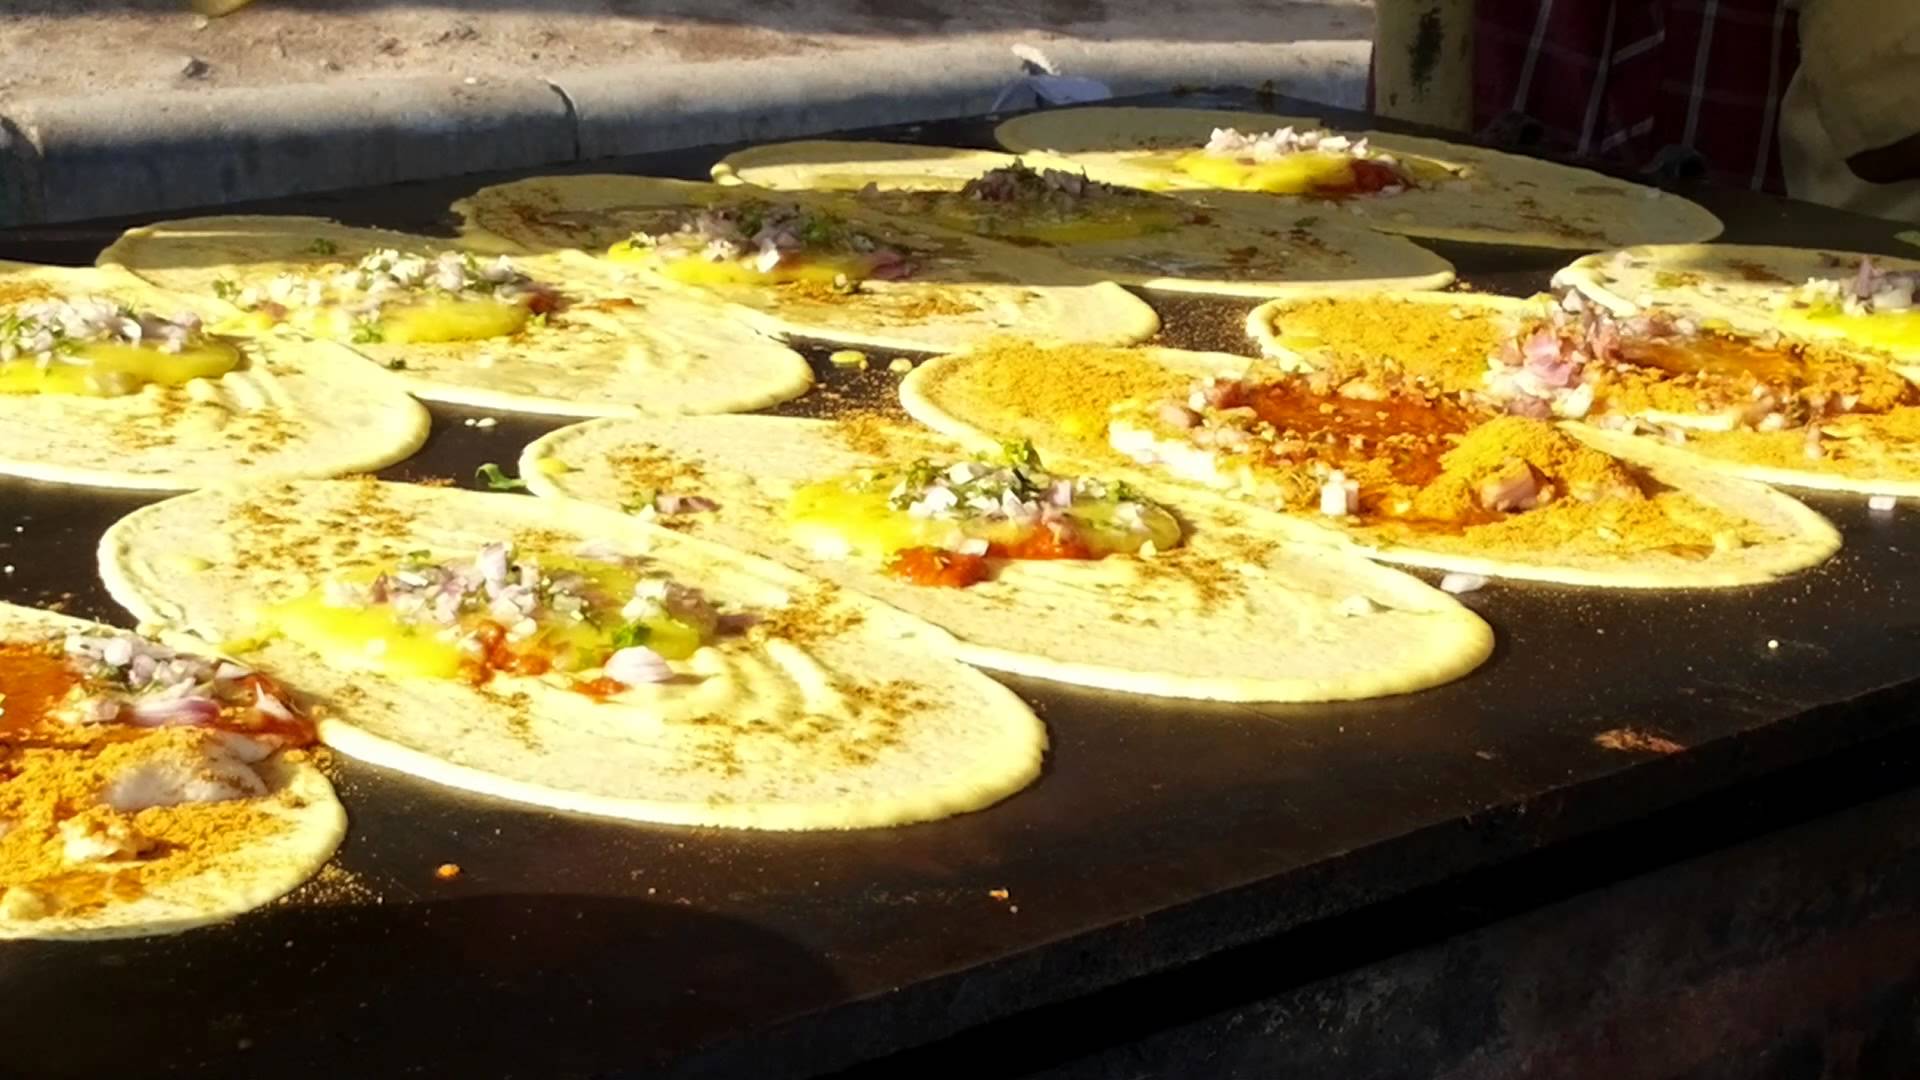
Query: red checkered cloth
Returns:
{"type": "Point", "coordinates": [1621, 81]}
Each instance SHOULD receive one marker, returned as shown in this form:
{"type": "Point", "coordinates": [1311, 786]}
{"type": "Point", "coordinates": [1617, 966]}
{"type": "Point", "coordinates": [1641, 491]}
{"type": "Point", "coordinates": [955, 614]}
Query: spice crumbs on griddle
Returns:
{"type": "Point", "coordinates": [1302, 236]}
{"type": "Point", "coordinates": [652, 469]}
{"type": "Point", "coordinates": [1215, 584]}
{"type": "Point", "coordinates": [931, 305]}
{"type": "Point", "coordinates": [1532, 213]}
{"type": "Point", "coordinates": [1755, 272]}
{"type": "Point", "coordinates": [715, 755]}
{"type": "Point", "coordinates": [882, 706]}
{"type": "Point", "coordinates": [811, 614]}
{"type": "Point", "coordinates": [335, 886]}
{"type": "Point", "coordinates": [517, 709]}
{"type": "Point", "coordinates": [1634, 740]}
{"type": "Point", "coordinates": [904, 305]}
{"type": "Point", "coordinates": [869, 433]}
{"type": "Point", "coordinates": [543, 540]}
{"type": "Point", "coordinates": [18, 290]}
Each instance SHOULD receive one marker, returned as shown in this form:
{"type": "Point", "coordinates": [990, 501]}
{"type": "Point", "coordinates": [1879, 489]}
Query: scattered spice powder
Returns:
{"type": "Point", "coordinates": [870, 434]}
{"type": "Point", "coordinates": [906, 305]}
{"type": "Point", "coordinates": [20, 290]}
{"type": "Point", "coordinates": [1065, 394]}
{"type": "Point", "coordinates": [811, 614]}
{"type": "Point", "coordinates": [1434, 471]}
{"type": "Point", "coordinates": [1635, 740]}
{"type": "Point", "coordinates": [1714, 371]}
{"type": "Point", "coordinates": [1570, 468]}
{"type": "Point", "coordinates": [48, 784]}
{"type": "Point", "coordinates": [1446, 343]}
{"type": "Point", "coordinates": [1755, 272]}
{"type": "Point", "coordinates": [1865, 446]}
{"type": "Point", "coordinates": [1598, 505]}
{"type": "Point", "coordinates": [652, 469]}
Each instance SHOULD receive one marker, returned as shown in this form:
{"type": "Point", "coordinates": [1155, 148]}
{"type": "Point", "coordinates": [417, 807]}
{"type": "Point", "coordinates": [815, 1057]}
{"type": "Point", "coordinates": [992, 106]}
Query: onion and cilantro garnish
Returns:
{"type": "Point", "coordinates": [1309, 161]}
{"type": "Point", "coordinates": [1581, 362]}
{"type": "Point", "coordinates": [1262, 147]}
{"type": "Point", "coordinates": [939, 522]}
{"type": "Point", "coordinates": [596, 611]}
{"type": "Point", "coordinates": [1870, 291]}
{"type": "Point", "coordinates": [366, 294]}
{"type": "Point", "coordinates": [48, 331]}
{"type": "Point", "coordinates": [95, 346]}
{"type": "Point", "coordinates": [1019, 183]}
{"type": "Point", "coordinates": [769, 237]}
{"type": "Point", "coordinates": [133, 680]}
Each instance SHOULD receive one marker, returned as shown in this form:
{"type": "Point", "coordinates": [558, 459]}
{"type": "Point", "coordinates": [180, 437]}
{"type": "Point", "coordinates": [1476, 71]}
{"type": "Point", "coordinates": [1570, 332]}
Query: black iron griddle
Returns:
{"type": "Point", "coordinates": [1165, 840]}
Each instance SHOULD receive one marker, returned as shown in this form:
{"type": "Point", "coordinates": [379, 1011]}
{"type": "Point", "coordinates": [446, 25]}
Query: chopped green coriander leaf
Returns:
{"type": "Point", "coordinates": [630, 635]}
{"type": "Point", "coordinates": [1021, 454]}
{"type": "Point", "coordinates": [323, 246]}
{"type": "Point", "coordinates": [490, 475]}
{"type": "Point", "coordinates": [225, 288]}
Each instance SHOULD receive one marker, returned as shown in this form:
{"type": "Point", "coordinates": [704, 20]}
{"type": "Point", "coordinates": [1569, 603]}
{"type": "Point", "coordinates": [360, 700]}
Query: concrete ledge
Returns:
{"type": "Point", "coordinates": [1330, 72]}
{"type": "Point", "coordinates": [70, 159]}
{"type": "Point", "coordinates": [641, 108]}
{"type": "Point", "coordinates": [632, 110]}
{"type": "Point", "coordinates": [121, 154]}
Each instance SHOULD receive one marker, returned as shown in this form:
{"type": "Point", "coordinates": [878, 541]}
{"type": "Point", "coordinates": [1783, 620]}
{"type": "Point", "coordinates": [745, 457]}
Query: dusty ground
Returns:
{"type": "Point", "coordinates": [65, 47]}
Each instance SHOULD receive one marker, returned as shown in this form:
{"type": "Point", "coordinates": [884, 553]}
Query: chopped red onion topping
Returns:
{"type": "Point", "coordinates": [49, 331]}
{"type": "Point", "coordinates": [388, 276]}
{"type": "Point", "coordinates": [1016, 488]}
{"type": "Point", "coordinates": [1272, 145]}
{"type": "Point", "coordinates": [766, 235]}
{"type": "Point", "coordinates": [1339, 496]}
{"type": "Point", "coordinates": [669, 503]}
{"type": "Point", "coordinates": [637, 665]}
{"type": "Point", "coordinates": [1513, 488]}
{"type": "Point", "coordinates": [1020, 183]}
{"type": "Point", "coordinates": [148, 684]}
{"type": "Point", "coordinates": [1871, 290]}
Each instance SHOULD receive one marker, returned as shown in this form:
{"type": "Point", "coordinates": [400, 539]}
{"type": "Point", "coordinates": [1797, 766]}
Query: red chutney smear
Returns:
{"type": "Point", "coordinates": [950, 569]}
{"type": "Point", "coordinates": [32, 681]}
{"type": "Point", "coordinates": [1365, 178]}
{"type": "Point", "coordinates": [249, 720]}
{"type": "Point", "coordinates": [35, 679]}
{"type": "Point", "coordinates": [938, 567]}
{"type": "Point", "coordinates": [600, 689]}
{"type": "Point", "coordinates": [1044, 544]}
{"type": "Point", "coordinates": [498, 655]}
